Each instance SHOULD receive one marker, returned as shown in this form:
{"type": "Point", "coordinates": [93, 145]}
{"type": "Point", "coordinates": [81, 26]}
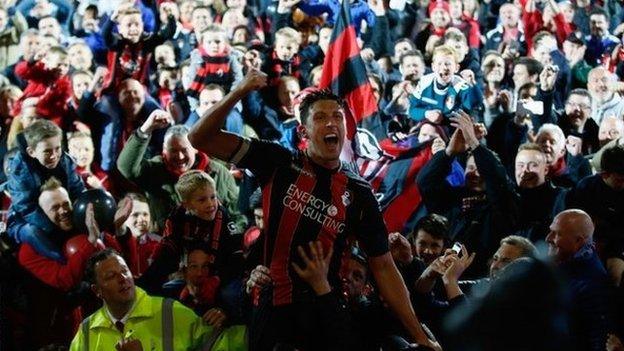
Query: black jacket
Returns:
{"type": "Point", "coordinates": [538, 207]}
{"type": "Point", "coordinates": [478, 220]}
{"type": "Point", "coordinates": [606, 207]}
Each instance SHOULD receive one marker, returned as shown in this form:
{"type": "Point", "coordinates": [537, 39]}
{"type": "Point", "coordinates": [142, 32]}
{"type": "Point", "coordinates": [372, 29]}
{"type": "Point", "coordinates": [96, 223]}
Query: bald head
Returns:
{"type": "Point", "coordinates": [577, 222]}
{"type": "Point", "coordinates": [599, 84]}
{"type": "Point", "coordinates": [570, 231]}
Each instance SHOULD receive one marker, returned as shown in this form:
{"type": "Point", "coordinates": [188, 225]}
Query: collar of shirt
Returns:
{"type": "Point", "coordinates": [123, 319]}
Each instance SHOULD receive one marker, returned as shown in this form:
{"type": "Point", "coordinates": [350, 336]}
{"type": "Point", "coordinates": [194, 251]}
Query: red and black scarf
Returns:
{"type": "Point", "coordinates": [280, 68]}
{"type": "Point", "coordinates": [215, 69]}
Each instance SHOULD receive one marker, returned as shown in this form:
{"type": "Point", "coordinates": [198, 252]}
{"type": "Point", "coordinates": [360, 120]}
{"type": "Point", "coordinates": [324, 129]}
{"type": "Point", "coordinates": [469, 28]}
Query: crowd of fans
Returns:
{"type": "Point", "coordinates": [515, 111]}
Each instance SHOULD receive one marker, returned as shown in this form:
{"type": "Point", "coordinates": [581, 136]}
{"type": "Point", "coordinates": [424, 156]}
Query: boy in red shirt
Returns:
{"type": "Point", "coordinates": [47, 80]}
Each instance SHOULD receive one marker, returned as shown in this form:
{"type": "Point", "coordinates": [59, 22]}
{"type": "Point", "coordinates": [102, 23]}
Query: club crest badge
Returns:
{"type": "Point", "coordinates": [449, 103]}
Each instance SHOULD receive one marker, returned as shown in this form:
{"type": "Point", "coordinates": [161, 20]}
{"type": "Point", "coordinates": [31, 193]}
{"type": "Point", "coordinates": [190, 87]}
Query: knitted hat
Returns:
{"type": "Point", "coordinates": [439, 4]}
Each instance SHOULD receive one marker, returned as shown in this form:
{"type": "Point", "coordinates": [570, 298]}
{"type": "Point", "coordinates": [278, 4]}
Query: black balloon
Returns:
{"type": "Point", "coordinates": [104, 207]}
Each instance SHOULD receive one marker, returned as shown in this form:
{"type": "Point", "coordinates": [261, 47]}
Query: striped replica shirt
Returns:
{"type": "Point", "coordinates": [303, 202]}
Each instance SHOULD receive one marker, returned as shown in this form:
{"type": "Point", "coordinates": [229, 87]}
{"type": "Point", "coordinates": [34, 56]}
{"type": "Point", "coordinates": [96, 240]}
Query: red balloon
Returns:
{"type": "Point", "coordinates": [74, 244]}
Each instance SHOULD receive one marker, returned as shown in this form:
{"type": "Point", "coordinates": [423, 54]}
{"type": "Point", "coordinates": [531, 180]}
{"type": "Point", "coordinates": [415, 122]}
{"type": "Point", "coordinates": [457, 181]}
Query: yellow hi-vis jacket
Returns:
{"type": "Point", "coordinates": [160, 325]}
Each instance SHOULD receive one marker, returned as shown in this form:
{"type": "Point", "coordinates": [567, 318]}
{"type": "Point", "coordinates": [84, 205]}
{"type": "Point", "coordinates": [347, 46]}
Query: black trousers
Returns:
{"type": "Point", "coordinates": [308, 324]}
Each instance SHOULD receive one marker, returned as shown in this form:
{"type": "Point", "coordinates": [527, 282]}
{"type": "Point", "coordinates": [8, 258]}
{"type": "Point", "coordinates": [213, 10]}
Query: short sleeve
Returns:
{"type": "Point", "coordinates": [261, 157]}
{"type": "Point", "coordinates": [370, 228]}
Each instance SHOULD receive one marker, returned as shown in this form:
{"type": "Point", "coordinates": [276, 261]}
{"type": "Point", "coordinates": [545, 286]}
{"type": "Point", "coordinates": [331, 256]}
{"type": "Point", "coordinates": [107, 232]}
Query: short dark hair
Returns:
{"type": "Point", "coordinates": [435, 225]}
{"type": "Point", "coordinates": [411, 53]}
{"type": "Point", "coordinates": [537, 38]}
{"type": "Point", "coordinates": [405, 40]}
{"type": "Point", "coordinates": [313, 97]}
{"type": "Point", "coordinates": [526, 87]}
{"type": "Point", "coordinates": [94, 260]}
{"type": "Point", "coordinates": [581, 92]}
{"type": "Point", "coordinates": [612, 160]}
{"type": "Point", "coordinates": [532, 65]}
{"type": "Point", "coordinates": [600, 11]}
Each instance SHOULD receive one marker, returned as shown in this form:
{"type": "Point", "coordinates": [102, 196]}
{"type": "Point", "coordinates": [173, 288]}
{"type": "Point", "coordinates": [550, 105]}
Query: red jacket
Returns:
{"type": "Point", "coordinates": [98, 173]}
{"type": "Point", "coordinates": [53, 91]}
{"type": "Point", "coordinates": [533, 23]}
{"type": "Point", "coordinates": [141, 250]}
{"type": "Point", "coordinates": [63, 276]}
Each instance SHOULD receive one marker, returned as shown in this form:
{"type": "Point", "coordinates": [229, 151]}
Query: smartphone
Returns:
{"type": "Point", "coordinates": [528, 109]}
{"type": "Point", "coordinates": [457, 248]}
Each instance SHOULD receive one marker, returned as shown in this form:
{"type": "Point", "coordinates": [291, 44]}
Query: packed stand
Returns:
{"type": "Point", "coordinates": [171, 176]}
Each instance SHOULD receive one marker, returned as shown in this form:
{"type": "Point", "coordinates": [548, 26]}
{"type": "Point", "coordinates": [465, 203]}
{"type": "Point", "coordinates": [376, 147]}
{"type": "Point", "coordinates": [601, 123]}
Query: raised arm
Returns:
{"type": "Point", "coordinates": [207, 134]}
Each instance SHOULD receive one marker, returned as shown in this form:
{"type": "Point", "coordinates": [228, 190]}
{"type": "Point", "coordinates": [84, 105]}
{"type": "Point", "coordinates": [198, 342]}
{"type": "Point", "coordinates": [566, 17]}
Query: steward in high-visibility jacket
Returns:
{"type": "Point", "coordinates": [159, 324]}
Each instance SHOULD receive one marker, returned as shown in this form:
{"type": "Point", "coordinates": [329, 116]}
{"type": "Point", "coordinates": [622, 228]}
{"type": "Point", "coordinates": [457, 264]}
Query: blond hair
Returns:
{"type": "Point", "coordinates": [289, 34]}
{"type": "Point", "coordinates": [51, 184]}
{"type": "Point", "coordinates": [190, 181]}
{"type": "Point", "coordinates": [216, 29]}
{"type": "Point", "coordinates": [446, 50]}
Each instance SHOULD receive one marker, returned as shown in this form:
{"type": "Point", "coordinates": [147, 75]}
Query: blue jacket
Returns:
{"type": "Point", "coordinates": [106, 118]}
{"type": "Point", "coordinates": [596, 47]}
{"type": "Point", "coordinates": [459, 95]}
{"type": "Point", "coordinates": [494, 39]}
{"type": "Point", "coordinates": [359, 11]}
{"type": "Point", "coordinates": [233, 121]}
{"type": "Point", "coordinates": [588, 285]}
{"type": "Point", "coordinates": [26, 219]}
{"type": "Point", "coordinates": [268, 122]}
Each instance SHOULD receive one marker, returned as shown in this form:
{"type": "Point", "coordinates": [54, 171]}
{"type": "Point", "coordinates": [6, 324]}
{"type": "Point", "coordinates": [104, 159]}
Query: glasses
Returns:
{"type": "Point", "coordinates": [580, 106]}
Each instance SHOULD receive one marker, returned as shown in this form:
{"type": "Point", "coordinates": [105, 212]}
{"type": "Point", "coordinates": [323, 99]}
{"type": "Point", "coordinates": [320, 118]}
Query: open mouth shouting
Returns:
{"type": "Point", "coordinates": [331, 141]}
{"type": "Point", "coordinates": [445, 76]}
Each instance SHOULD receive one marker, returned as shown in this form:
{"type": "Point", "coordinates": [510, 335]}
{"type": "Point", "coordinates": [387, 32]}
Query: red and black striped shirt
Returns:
{"type": "Point", "coordinates": [302, 202]}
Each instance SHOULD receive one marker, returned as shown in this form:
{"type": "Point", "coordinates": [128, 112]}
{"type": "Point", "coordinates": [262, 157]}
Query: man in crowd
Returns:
{"type": "Point", "coordinates": [130, 319]}
{"type": "Point", "coordinates": [570, 246]}
{"type": "Point", "coordinates": [158, 175]}
{"type": "Point", "coordinates": [352, 209]}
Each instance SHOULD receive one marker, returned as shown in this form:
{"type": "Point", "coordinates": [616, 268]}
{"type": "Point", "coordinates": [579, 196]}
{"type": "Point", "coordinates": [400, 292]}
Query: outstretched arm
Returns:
{"type": "Point", "coordinates": [207, 134]}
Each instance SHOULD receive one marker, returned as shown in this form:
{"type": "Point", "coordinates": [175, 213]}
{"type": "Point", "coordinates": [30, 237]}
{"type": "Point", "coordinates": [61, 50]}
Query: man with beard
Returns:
{"type": "Point", "coordinates": [566, 164]}
{"type": "Point", "coordinates": [540, 200]}
{"type": "Point", "coordinates": [575, 120]}
{"type": "Point", "coordinates": [158, 175]}
{"type": "Point", "coordinates": [605, 101]}
{"type": "Point", "coordinates": [600, 41]}
{"type": "Point", "coordinates": [481, 211]}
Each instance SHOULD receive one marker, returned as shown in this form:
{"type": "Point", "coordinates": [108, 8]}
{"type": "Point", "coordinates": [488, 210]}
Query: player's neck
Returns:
{"type": "Point", "coordinates": [329, 164]}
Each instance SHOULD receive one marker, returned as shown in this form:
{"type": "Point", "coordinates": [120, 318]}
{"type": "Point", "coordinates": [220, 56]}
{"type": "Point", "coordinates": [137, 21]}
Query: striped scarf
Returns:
{"type": "Point", "coordinates": [280, 68]}
{"type": "Point", "coordinates": [214, 70]}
